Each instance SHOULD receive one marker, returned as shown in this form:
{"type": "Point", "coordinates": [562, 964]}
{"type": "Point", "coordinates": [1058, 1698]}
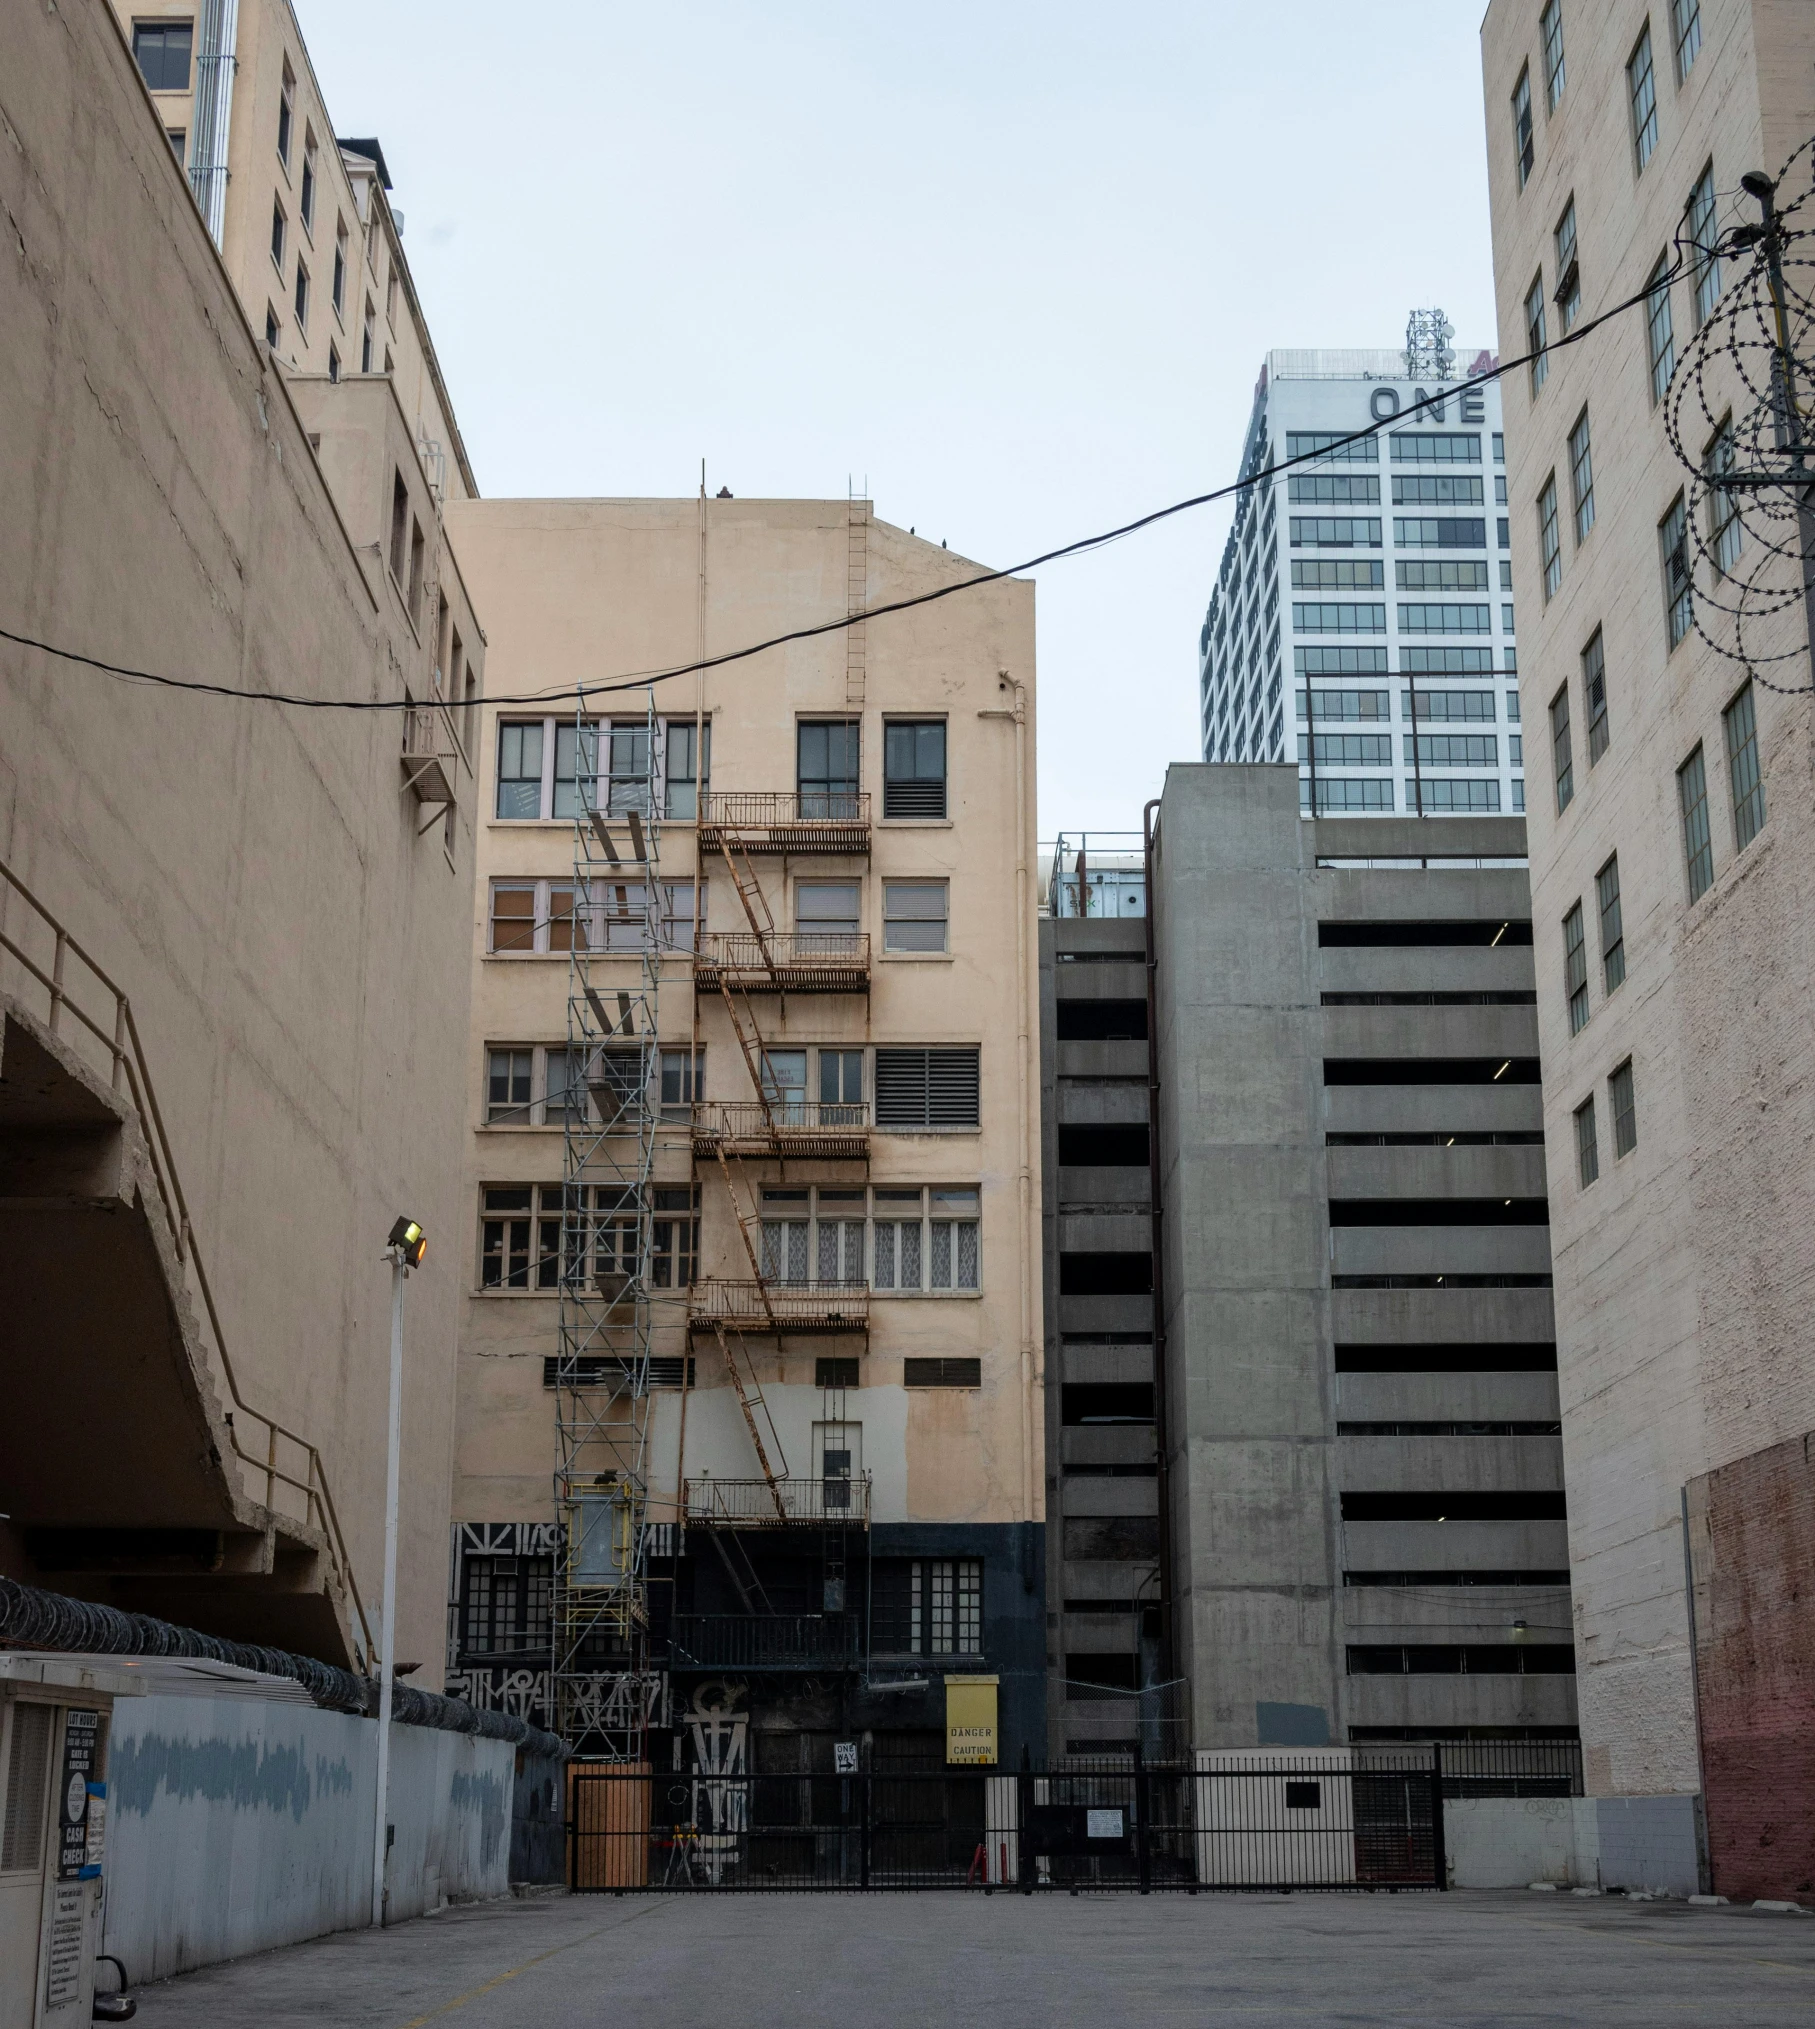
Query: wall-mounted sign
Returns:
{"type": "Point", "coordinates": [81, 1752]}
{"type": "Point", "coordinates": [970, 1720]}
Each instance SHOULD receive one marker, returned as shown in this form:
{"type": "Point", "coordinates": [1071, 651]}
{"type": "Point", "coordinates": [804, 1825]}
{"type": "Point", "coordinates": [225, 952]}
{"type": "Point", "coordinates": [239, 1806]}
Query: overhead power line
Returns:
{"type": "Point", "coordinates": [578, 694]}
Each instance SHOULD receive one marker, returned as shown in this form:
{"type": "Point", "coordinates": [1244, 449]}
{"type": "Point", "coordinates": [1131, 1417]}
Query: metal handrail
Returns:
{"type": "Point", "coordinates": [762, 809]}
{"type": "Point", "coordinates": [840, 1304]}
{"type": "Point", "coordinates": [744, 951]}
{"type": "Point", "coordinates": [773, 1119]}
{"type": "Point", "coordinates": [126, 1052]}
{"type": "Point", "coordinates": [770, 1503]}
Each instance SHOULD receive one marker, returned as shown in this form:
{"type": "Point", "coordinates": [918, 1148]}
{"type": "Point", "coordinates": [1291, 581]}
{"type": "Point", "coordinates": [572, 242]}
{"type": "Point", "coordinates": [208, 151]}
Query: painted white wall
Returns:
{"type": "Point", "coordinates": [239, 1824]}
{"type": "Point", "coordinates": [1510, 1842]}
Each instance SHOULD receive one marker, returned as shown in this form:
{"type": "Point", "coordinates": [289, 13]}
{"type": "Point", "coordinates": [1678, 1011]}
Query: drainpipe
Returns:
{"type": "Point", "coordinates": [215, 66]}
{"type": "Point", "coordinates": [1155, 1215]}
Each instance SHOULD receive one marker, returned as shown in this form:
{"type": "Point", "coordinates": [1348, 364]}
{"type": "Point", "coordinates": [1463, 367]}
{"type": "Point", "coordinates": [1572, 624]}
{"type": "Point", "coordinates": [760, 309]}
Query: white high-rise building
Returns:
{"type": "Point", "coordinates": [1378, 586]}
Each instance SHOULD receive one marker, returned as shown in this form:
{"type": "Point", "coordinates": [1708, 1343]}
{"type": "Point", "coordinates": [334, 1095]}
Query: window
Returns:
{"type": "Point", "coordinates": [688, 744]}
{"type": "Point", "coordinates": [1613, 935]}
{"type": "Point", "coordinates": [924, 1240]}
{"type": "Point", "coordinates": [513, 1254]}
{"type": "Point", "coordinates": [1456, 795]}
{"type": "Point", "coordinates": [1673, 551]}
{"type": "Point", "coordinates": [417, 546]}
{"type": "Point", "coordinates": [1538, 366]}
{"type": "Point", "coordinates": [179, 143]}
{"type": "Point", "coordinates": [1698, 844]}
{"type": "Point", "coordinates": [302, 307]}
{"type": "Point", "coordinates": [827, 915]}
{"type": "Point", "coordinates": [1333, 489]}
{"type": "Point", "coordinates": [1448, 704]}
{"type": "Point", "coordinates": [931, 1606]}
{"type": "Point", "coordinates": [914, 915]}
{"type": "Point", "coordinates": [1575, 970]}
{"type": "Point", "coordinates": [1550, 34]}
{"type": "Point", "coordinates": [508, 1087]}
{"type": "Point", "coordinates": [286, 112]}
{"type": "Point", "coordinates": [1427, 447]}
{"type": "Point", "coordinates": [400, 517]}
{"type": "Point", "coordinates": [1338, 531]}
{"type": "Point", "coordinates": [277, 236]}
{"type": "Point", "coordinates": [506, 1605]}
{"type": "Point", "coordinates": [1562, 752]}
{"type": "Point", "coordinates": [1685, 34]}
{"type": "Point", "coordinates": [1724, 530]}
{"type": "Point", "coordinates": [273, 329]}
{"type": "Point", "coordinates": [1588, 1152]}
{"type": "Point", "coordinates": [1337, 619]}
{"type": "Point", "coordinates": [1625, 1113]}
{"type": "Point", "coordinates": [366, 338]}
{"type": "Point", "coordinates": [913, 768]}
{"type": "Point", "coordinates": [1524, 146]}
{"type": "Point", "coordinates": [1581, 477]}
{"type": "Point", "coordinates": [1641, 92]}
{"type": "Point", "coordinates": [629, 765]}
{"type": "Point", "coordinates": [674, 1236]}
{"type": "Point", "coordinates": [1594, 696]}
{"type": "Point", "coordinates": [1743, 777]}
{"type": "Point", "coordinates": [1436, 489]}
{"type": "Point", "coordinates": [305, 203]}
{"type": "Point", "coordinates": [922, 1088]}
{"type": "Point", "coordinates": [827, 767]}
{"type": "Point", "coordinates": [841, 1088]}
{"type": "Point", "coordinates": [1339, 661]}
{"type": "Point", "coordinates": [1335, 446]}
{"type": "Point", "coordinates": [534, 916]}
{"type": "Point", "coordinates": [519, 770]}
{"type": "Point", "coordinates": [683, 1074]}
{"type": "Point", "coordinates": [1660, 338]}
{"type": "Point", "coordinates": [1441, 576]}
{"type": "Point", "coordinates": [1415, 532]}
{"type": "Point", "coordinates": [340, 267]}
{"type": "Point", "coordinates": [1704, 238]}
{"type": "Point", "coordinates": [1338, 574]}
{"type": "Point", "coordinates": [334, 363]}
{"type": "Point", "coordinates": [1550, 541]}
{"type": "Point", "coordinates": [161, 50]}
{"type": "Point", "coordinates": [1349, 750]}
{"type": "Point", "coordinates": [1346, 704]}
{"type": "Point", "coordinates": [1335, 793]}
{"type": "Point", "coordinates": [390, 297]}
{"type": "Point", "coordinates": [1569, 272]}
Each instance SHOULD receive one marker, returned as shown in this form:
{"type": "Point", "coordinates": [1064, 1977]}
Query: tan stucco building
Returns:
{"type": "Point", "coordinates": [1670, 846]}
{"type": "Point", "coordinates": [199, 1176]}
{"type": "Point", "coordinates": [795, 1097]}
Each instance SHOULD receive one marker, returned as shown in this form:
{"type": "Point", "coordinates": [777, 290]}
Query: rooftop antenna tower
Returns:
{"type": "Point", "coordinates": [1430, 352]}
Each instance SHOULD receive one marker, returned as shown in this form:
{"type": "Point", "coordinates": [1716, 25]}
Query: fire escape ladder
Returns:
{"type": "Point", "coordinates": [746, 1584]}
{"type": "Point", "coordinates": [733, 1366]}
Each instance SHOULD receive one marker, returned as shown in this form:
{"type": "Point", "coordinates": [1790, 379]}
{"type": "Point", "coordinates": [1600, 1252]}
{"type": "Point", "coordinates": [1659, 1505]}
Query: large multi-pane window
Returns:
{"type": "Point", "coordinates": [1550, 537]}
{"type": "Point", "coordinates": [1575, 969]}
{"type": "Point", "coordinates": [1524, 142]}
{"type": "Point", "coordinates": [1641, 93]}
{"type": "Point", "coordinates": [1333, 489]}
{"type": "Point", "coordinates": [1685, 34]}
{"type": "Point", "coordinates": [1594, 695]}
{"type": "Point", "coordinates": [1704, 237]}
{"type": "Point", "coordinates": [1332, 446]}
{"type": "Point", "coordinates": [1550, 34]}
{"type": "Point", "coordinates": [555, 768]}
{"type": "Point", "coordinates": [1724, 528]}
{"type": "Point", "coordinates": [687, 767]}
{"type": "Point", "coordinates": [1581, 477]}
{"type": "Point", "coordinates": [1660, 336]}
{"type": "Point", "coordinates": [1562, 749]}
{"type": "Point", "coordinates": [921, 1241]}
{"type": "Point", "coordinates": [1453, 750]}
{"type": "Point", "coordinates": [1622, 1103]}
{"type": "Point", "coordinates": [1458, 794]}
{"type": "Point", "coordinates": [1442, 532]}
{"type": "Point", "coordinates": [1436, 447]}
{"type": "Point", "coordinates": [827, 763]}
{"type": "Point", "coordinates": [1747, 784]}
{"type": "Point", "coordinates": [1673, 555]}
{"type": "Point", "coordinates": [1436, 489]}
{"type": "Point", "coordinates": [928, 1606]}
{"type": "Point", "coordinates": [530, 918]}
{"type": "Point", "coordinates": [1421, 574]}
{"type": "Point", "coordinates": [1309, 531]}
{"type": "Point", "coordinates": [1341, 574]}
{"type": "Point", "coordinates": [1446, 619]}
{"type": "Point", "coordinates": [1569, 270]}
{"type": "Point", "coordinates": [1613, 929]}
{"type": "Point", "coordinates": [506, 1605]}
{"type": "Point", "coordinates": [1337, 617]}
{"type": "Point", "coordinates": [1698, 841]}
{"type": "Point", "coordinates": [1588, 1150]}
{"type": "Point", "coordinates": [913, 768]}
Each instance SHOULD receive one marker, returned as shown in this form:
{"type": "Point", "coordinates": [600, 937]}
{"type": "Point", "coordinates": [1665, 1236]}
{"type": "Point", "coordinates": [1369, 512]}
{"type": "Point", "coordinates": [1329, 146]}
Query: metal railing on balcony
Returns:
{"type": "Point", "coordinates": [764, 1641]}
{"type": "Point", "coordinates": [431, 754]}
{"type": "Point", "coordinates": [784, 961]}
{"type": "Point", "coordinates": [777, 1504]}
{"type": "Point", "coordinates": [755, 1308]}
{"type": "Point", "coordinates": [787, 820]}
{"type": "Point", "coordinates": [288, 1464]}
{"type": "Point", "coordinates": [833, 1131]}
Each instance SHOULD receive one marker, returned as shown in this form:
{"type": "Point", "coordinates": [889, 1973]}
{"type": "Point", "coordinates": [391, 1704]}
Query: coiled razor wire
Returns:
{"type": "Point", "coordinates": [31, 1619]}
{"type": "Point", "coordinates": [1725, 413]}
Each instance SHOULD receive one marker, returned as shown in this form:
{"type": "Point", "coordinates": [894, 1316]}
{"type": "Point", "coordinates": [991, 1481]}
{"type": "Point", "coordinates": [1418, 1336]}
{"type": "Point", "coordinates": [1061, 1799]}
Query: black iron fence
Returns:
{"type": "Point", "coordinates": [1335, 1818]}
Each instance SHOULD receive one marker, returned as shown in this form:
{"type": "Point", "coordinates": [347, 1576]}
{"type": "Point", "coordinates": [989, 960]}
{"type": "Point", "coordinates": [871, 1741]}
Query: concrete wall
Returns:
{"type": "Point", "coordinates": [1290, 1339]}
{"type": "Point", "coordinates": [1684, 1273]}
{"type": "Point", "coordinates": [250, 874]}
{"type": "Point", "coordinates": [239, 1824]}
{"type": "Point", "coordinates": [1510, 1842]}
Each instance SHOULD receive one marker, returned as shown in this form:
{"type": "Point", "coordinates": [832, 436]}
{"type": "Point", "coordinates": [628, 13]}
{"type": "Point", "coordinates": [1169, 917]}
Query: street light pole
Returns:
{"type": "Point", "coordinates": [404, 1251]}
{"type": "Point", "coordinates": [388, 1621]}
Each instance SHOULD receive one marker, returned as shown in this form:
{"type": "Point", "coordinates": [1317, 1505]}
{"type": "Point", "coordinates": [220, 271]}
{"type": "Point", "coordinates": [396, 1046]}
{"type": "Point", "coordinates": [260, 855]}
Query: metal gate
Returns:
{"type": "Point", "coordinates": [1343, 1818]}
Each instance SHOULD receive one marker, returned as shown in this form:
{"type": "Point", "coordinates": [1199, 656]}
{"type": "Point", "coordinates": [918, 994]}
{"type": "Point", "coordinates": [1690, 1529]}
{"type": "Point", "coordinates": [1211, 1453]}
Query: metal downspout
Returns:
{"type": "Point", "coordinates": [216, 63]}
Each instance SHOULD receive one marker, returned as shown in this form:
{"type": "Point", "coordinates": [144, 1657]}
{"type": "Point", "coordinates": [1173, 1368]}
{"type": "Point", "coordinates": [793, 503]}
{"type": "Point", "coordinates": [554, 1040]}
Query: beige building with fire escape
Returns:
{"type": "Point", "coordinates": [749, 1388]}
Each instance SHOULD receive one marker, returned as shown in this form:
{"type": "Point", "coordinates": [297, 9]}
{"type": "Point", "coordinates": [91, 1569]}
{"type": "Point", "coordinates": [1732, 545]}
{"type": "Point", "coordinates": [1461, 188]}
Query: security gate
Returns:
{"type": "Point", "coordinates": [1330, 1818]}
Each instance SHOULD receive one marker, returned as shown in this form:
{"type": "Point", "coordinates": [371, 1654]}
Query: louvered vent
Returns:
{"type": "Point", "coordinates": [927, 1088]}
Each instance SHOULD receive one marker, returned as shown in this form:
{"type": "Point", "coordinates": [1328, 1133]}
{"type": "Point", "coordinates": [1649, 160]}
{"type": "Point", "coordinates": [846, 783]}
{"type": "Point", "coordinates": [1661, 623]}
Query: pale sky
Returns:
{"type": "Point", "coordinates": [1015, 266]}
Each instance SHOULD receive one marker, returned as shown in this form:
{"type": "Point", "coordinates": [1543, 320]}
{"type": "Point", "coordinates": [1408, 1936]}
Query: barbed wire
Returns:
{"type": "Point", "coordinates": [1743, 555]}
